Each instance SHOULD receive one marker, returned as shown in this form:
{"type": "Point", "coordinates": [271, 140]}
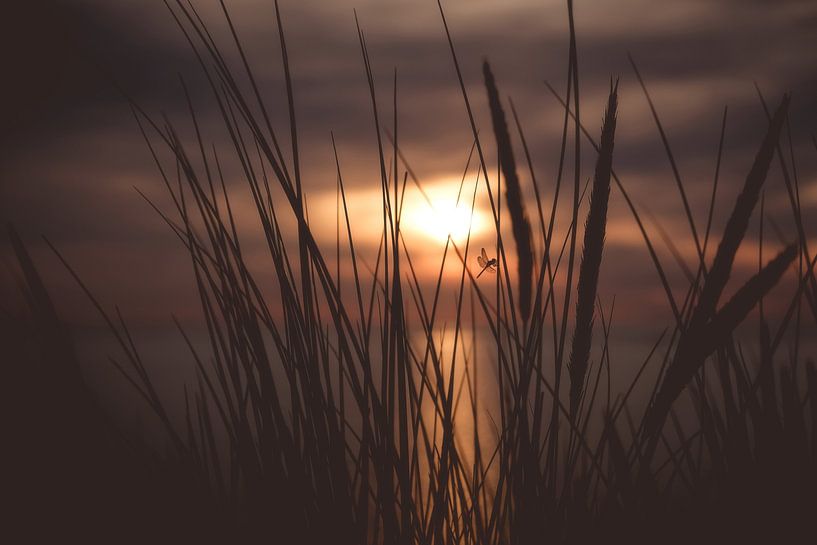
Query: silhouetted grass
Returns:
{"type": "Point", "coordinates": [513, 195]}
{"type": "Point", "coordinates": [700, 335]}
{"type": "Point", "coordinates": [329, 409]}
{"type": "Point", "coordinates": [590, 268]}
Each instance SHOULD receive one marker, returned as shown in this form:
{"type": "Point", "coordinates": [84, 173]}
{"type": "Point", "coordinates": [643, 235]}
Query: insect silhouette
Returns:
{"type": "Point", "coordinates": [486, 264]}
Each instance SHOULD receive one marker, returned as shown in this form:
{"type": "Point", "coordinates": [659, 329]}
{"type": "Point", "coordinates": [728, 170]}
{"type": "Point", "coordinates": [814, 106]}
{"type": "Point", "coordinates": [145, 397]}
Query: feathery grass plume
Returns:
{"type": "Point", "coordinates": [513, 194]}
{"type": "Point", "coordinates": [591, 254]}
{"type": "Point", "coordinates": [739, 220]}
{"type": "Point", "coordinates": [699, 343]}
{"type": "Point", "coordinates": [701, 336]}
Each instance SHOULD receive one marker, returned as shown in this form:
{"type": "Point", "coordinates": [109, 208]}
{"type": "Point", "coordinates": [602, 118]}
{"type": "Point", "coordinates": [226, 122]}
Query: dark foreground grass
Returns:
{"type": "Point", "coordinates": [317, 417]}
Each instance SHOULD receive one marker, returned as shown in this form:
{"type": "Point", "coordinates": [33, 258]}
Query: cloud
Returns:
{"type": "Point", "coordinates": [72, 152]}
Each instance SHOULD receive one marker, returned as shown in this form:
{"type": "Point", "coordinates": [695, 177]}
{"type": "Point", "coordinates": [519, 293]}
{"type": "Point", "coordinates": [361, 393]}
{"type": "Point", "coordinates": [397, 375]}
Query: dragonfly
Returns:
{"type": "Point", "coordinates": [486, 264]}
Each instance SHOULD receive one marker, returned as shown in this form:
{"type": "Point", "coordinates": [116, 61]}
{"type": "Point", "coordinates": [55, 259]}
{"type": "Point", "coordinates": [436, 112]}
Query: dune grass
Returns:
{"type": "Point", "coordinates": [317, 416]}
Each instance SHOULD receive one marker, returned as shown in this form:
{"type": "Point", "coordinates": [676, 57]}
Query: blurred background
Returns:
{"type": "Point", "coordinates": [72, 157]}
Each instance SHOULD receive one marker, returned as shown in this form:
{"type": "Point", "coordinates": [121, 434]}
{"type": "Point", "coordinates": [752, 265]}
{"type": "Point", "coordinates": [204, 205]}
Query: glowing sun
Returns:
{"type": "Point", "coordinates": [441, 215]}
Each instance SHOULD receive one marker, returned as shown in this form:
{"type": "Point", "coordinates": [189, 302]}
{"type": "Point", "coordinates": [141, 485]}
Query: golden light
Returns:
{"type": "Point", "coordinates": [442, 217]}
{"type": "Point", "coordinates": [427, 217]}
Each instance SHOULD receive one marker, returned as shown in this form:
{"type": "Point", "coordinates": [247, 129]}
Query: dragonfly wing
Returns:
{"type": "Point", "coordinates": [484, 256]}
{"type": "Point", "coordinates": [491, 269]}
{"type": "Point", "coordinates": [481, 261]}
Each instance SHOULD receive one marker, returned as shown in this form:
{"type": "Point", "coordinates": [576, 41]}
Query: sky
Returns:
{"type": "Point", "coordinates": [72, 155]}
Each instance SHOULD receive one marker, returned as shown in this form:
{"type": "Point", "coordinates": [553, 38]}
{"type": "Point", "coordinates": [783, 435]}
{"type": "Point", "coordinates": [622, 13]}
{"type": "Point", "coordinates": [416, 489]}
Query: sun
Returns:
{"type": "Point", "coordinates": [440, 215]}
{"type": "Point", "coordinates": [442, 218]}
{"type": "Point", "coordinates": [427, 217]}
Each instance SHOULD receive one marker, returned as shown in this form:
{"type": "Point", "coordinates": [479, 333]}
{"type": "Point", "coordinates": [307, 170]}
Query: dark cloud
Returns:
{"type": "Point", "coordinates": [72, 152]}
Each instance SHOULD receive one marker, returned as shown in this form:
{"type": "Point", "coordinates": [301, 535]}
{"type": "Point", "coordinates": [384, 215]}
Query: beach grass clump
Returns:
{"type": "Point", "coordinates": [335, 406]}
